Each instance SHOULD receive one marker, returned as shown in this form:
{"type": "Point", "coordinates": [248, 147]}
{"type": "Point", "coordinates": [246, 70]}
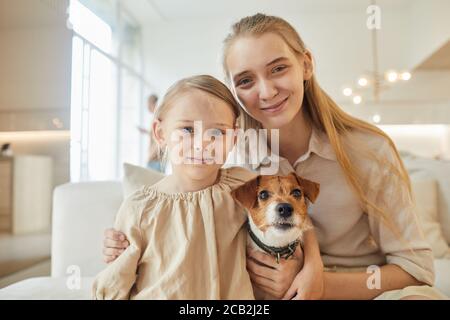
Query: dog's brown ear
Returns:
{"type": "Point", "coordinates": [310, 188]}
{"type": "Point", "coordinates": [246, 194]}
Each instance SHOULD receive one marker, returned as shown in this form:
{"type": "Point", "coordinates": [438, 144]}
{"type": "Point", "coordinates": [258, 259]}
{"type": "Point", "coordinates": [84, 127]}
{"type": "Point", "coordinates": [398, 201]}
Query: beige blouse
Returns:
{"type": "Point", "coordinates": [182, 245]}
{"type": "Point", "coordinates": [348, 235]}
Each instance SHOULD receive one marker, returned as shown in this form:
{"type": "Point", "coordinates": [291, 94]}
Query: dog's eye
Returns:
{"type": "Point", "coordinates": [296, 193]}
{"type": "Point", "coordinates": [263, 195]}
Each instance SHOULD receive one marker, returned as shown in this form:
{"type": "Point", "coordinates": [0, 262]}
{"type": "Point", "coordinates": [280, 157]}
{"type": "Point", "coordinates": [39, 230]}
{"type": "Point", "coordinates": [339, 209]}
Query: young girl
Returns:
{"type": "Point", "coordinates": [365, 215]}
{"type": "Point", "coordinates": [187, 239]}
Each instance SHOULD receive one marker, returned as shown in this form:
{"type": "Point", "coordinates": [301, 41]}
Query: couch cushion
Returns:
{"type": "Point", "coordinates": [425, 191]}
{"type": "Point", "coordinates": [439, 170]}
{"type": "Point", "coordinates": [136, 177]}
{"type": "Point", "coordinates": [46, 288]}
{"type": "Point", "coordinates": [81, 213]}
{"type": "Point", "coordinates": [442, 268]}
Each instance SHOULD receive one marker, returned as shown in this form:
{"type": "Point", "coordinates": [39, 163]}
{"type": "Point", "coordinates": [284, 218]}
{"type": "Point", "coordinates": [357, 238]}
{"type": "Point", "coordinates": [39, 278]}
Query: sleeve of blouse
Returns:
{"type": "Point", "coordinates": [115, 282]}
{"type": "Point", "coordinates": [404, 244]}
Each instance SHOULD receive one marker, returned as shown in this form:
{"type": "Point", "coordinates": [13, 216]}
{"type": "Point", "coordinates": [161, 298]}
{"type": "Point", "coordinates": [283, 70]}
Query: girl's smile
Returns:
{"type": "Point", "coordinates": [276, 107]}
{"type": "Point", "coordinates": [198, 160]}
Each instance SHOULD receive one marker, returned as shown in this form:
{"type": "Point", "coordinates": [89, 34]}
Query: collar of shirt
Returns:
{"type": "Point", "coordinates": [318, 144]}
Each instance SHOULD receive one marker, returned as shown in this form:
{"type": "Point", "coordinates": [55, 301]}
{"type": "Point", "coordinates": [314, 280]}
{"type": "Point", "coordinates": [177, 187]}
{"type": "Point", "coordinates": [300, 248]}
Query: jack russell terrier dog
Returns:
{"type": "Point", "coordinates": [277, 208]}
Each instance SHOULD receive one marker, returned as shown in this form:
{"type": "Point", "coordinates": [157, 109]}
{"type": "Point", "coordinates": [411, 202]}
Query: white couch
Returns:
{"type": "Point", "coordinates": [81, 213]}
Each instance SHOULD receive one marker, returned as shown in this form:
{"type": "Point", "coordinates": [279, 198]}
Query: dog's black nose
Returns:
{"type": "Point", "coordinates": [284, 210]}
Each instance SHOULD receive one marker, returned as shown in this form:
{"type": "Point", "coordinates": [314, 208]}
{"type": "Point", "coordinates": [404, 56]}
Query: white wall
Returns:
{"type": "Point", "coordinates": [35, 64]}
{"type": "Point", "coordinates": [340, 41]}
{"type": "Point", "coordinates": [35, 81]}
{"type": "Point", "coordinates": [430, 28]}
{"type": "Point", "coordinates": [427, 141]}
{"type": "Point", "coordinates": [54, 144]}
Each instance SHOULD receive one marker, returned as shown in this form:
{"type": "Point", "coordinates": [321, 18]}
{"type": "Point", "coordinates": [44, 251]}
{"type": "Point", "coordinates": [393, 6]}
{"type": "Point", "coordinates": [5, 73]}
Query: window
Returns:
{"type": "Point", "coordinates": [107, 91]}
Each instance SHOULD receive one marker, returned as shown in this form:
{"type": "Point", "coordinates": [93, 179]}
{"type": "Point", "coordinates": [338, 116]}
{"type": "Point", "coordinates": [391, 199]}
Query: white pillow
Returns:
{"type": "Point", "coordinates": [425, 191]}
{"type": "Point", "coordinates": [439, 170]}
{"type": "Point", "coordinates": [136, 177]}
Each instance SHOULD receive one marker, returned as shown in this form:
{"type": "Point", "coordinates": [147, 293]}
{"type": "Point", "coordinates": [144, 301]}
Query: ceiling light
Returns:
{"type": "Point", "coordinates": [363, 82]}
{"type": "Point", "coordinates": [405, 76]}
{"type": "Point", "coordinates": [357, 99]}
{"type": "Point", "coordinates": [392, 76]}
{"type": "Point", "coordinates": [347, 92]}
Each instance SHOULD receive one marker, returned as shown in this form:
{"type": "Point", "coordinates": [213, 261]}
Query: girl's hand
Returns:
{"type": "Point", "coordinates": [114, 243]}
{"type": "Point", "coordinates": [307, 285]}
{"type": "Point", "coordinates": [272, 277]}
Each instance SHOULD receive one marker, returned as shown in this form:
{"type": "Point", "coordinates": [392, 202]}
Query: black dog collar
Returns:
{"type": "Point", "coordinates": [277, 252]}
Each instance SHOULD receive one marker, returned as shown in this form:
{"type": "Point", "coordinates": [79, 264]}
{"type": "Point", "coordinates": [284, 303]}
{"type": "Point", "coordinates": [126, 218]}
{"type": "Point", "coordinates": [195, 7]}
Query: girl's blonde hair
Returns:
{"type": "Point", "coordinates": [204, 83]}
{"type": "Point", "coordinates": [324, 114]}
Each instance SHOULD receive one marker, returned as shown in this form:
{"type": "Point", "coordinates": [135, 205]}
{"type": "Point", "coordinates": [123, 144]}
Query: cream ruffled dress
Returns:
{"type": "Point", "coordinates": [182, 245]}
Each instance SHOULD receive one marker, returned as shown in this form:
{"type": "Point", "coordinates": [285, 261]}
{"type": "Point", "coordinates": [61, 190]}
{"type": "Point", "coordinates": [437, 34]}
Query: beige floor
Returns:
{"type": "Point", "coordinates": [41, 269]}
{"type": "Point", "coordinates": [23, 256]}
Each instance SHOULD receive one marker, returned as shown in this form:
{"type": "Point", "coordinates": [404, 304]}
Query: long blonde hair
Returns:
{"type": "Point", "coordinates": [205, 83]}
{"type": "Point", "coordinates": [324, 114]}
